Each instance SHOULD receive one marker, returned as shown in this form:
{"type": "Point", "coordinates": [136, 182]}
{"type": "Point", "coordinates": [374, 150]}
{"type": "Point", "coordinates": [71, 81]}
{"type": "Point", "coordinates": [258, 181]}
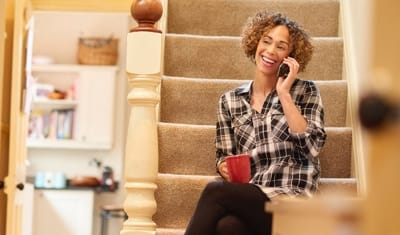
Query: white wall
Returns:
{"type": "Point", "coordinates": [359, 12]}
{"type": "Point", "coordinates": [56, 35]}
{"type": "Point", "coordinates": [356, 28]}
{"type": "Point", "coordinates": [362, 26]}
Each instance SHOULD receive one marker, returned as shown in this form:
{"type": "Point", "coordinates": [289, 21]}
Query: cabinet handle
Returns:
{"type": "Point", "coordinates": [20, 186]}
{"type": "Point", "coordinates": [1, 184]}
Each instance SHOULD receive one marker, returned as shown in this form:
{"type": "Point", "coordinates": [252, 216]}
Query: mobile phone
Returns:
{"type": "Point", "coordinates": [283, 70]}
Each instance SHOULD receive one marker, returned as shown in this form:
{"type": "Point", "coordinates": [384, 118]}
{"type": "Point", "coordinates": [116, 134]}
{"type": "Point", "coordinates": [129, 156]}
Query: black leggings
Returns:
{"type": "Point", "coordinates": [230, 209]}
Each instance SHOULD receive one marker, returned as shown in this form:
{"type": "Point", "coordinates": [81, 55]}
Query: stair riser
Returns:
{"type": "Point", "coordinates": [209, 17]}
{"type": "Point", "coordinates": [199, 57]}
{"type": "Point", "coordinates": [174, 213]}
{"type": "Point", "coordinates": [186, 158]}
{"type": "Point", "coordinates": [194, 101]}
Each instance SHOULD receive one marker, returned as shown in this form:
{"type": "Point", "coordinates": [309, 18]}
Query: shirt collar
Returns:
{"type": "Point", "coordinates": [245, 88]}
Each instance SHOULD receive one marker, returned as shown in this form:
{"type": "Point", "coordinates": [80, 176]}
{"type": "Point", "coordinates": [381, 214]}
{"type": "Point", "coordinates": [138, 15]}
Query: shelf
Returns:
{"type": "Point", "coordinates": [65, 144]}
{"type": "Point", "coordinates": [92, 106]}
{"type": "Point", "coordinates": [71, 67]}
{"type": "Point", "coordinates": [49, 104]}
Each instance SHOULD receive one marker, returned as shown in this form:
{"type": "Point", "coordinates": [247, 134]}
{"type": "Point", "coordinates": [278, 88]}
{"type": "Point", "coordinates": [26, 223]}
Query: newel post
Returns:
{"type": "Point", "coordinates": [143, 68]}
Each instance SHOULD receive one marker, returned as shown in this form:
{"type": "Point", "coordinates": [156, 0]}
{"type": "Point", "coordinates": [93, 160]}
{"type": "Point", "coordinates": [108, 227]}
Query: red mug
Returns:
{"type": "Point", "coordinates": [238, 168]}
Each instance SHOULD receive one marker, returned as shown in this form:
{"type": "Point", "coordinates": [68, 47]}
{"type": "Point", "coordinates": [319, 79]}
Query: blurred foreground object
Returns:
{"type": "Point", "coordinates": [374, 111]}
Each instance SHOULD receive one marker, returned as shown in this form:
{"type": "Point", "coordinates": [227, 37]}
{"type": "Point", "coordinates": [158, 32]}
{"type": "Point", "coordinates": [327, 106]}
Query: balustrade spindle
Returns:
{"type": "Point", "coordinates": [143, 68]}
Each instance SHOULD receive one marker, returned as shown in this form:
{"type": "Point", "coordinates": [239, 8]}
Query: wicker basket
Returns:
{"type": "Point", "coordinates": [98, 51]}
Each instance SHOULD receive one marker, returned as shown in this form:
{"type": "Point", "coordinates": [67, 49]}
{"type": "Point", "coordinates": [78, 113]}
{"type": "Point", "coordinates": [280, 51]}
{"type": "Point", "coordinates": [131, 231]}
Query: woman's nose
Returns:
{"type": "Point", "coordinates": [271, 49]}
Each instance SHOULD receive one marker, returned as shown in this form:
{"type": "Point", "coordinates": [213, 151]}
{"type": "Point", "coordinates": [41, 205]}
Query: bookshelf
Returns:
{"type": "Point", "coordinates": [46, 104]}
{"type": "Point", "coordinates": [81, 114]}
{"type": "Point", "coordinates": [67, 144]}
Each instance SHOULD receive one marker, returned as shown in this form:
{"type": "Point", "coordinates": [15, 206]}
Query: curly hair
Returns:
{"type": "Point", "coordinates": [262, 22]}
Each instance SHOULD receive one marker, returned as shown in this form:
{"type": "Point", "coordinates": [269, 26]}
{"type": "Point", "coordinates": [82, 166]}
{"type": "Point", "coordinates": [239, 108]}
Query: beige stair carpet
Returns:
{"type": "Point", "coordinates": [203, 59]}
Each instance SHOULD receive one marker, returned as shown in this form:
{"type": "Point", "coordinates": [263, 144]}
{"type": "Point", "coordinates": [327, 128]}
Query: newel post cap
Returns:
{"type": "Point", "coordinates": [146, 13]}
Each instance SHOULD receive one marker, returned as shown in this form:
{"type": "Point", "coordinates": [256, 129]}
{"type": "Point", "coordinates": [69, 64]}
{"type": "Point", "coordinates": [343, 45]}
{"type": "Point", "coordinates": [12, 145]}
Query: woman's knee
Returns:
{"type": "Point", "coordinates": [231, 225]}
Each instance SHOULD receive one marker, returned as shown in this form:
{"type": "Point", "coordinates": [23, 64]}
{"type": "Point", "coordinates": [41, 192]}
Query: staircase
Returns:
{"type": "Point", "coordinates": [203, 59]}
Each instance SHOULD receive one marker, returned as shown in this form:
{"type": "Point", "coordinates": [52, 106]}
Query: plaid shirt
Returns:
{"type": "Point", "coordinates": [282, 162]}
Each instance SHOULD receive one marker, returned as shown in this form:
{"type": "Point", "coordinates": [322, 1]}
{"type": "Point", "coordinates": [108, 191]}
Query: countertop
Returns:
{"type": "Point", "coordinates": [99, 189]}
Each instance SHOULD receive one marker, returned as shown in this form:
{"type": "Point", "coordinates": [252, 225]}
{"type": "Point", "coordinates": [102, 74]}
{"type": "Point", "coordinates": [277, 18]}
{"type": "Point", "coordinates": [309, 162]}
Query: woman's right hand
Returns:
{"type": "Point", "coordinates": [223, 170]}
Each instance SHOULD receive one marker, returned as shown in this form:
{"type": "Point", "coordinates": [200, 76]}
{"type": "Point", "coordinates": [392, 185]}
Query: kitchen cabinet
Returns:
{"type": "Point", "coordinates": [82, 116]}
{"type": "Point", "coordinates": [63, 212]}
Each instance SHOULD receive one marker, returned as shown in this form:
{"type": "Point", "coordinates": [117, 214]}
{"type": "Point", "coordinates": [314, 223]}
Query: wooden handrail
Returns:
{"type": "Point", "coordinates": [144, 56]}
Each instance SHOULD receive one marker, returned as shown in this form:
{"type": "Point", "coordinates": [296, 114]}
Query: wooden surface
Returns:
{"type": "Point", "coordinates": [79, 5]}
{"type": "Point", "coordinates": [384, 161]}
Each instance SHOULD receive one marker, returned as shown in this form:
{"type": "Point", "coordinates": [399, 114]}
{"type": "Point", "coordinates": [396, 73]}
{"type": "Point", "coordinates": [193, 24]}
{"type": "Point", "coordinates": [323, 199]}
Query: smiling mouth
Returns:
{"type": "Point", "coordinates": [267, 60]}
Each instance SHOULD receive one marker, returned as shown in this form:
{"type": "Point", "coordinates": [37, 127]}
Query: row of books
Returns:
{"type": "Point", "coordinates": [53, 124]}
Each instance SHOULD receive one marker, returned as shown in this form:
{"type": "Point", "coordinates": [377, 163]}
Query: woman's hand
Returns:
{"type": "Point", "coordinates": [284, 84]}
{"type": "Point", "coordinates": [223, 170]}
{"type": "Point", "coordinates": [297, 123]}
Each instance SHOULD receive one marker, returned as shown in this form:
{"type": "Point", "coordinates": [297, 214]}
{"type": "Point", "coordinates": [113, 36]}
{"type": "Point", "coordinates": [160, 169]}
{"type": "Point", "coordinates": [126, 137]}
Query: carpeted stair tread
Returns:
{"type": "Point", "coordinates": [195, 101]}
{"type": "Point", "coordinates": [175, 213]}
{"type": "Point", "coordinates": [222, 57]}
{"type": "Point", "coordinates": [176, 197]}
{"type": "Point", "coordinates": [190, 149]}
{"type": "Point", "coordinates": [170, 231]}
{"type": "Point", "coordinates": [338, 186]}
{"type": "Point", "coordinates": [226, 17]}
{"type": "Point", "coordinates": [335, 156]}
{"type": "Point", "coordinates": [186, 149]}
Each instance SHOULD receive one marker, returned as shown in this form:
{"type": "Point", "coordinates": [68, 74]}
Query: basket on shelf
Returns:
{"type": "Point", "coordinates": [98, 51]}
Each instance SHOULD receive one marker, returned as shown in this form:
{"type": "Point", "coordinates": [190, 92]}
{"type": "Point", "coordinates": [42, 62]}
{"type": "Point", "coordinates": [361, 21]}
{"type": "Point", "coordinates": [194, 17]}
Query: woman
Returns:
{"type": "Point", "coordinates": [278, 121]}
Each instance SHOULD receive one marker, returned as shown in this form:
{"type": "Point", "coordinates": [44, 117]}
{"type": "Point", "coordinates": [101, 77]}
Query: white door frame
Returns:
{"type": "Point", "coordinates": [15, 180]}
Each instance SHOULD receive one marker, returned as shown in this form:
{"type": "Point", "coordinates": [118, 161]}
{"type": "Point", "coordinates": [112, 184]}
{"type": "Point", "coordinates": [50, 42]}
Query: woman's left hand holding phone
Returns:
{"type": "Point", "coordinates": [284, 84]}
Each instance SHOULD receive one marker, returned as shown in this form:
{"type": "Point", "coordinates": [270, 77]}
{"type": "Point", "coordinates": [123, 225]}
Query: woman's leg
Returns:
{"type": "Point", "coordinates": [231, 225]}
{"type": "Point", "coordinates": [219, 199]}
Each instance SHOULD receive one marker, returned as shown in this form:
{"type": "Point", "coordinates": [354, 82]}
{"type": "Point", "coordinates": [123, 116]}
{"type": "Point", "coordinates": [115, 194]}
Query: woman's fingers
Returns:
{"type": "Point", "coordinates": [293, 64]}
{"type": "Point", "coordinates": [223, 169]}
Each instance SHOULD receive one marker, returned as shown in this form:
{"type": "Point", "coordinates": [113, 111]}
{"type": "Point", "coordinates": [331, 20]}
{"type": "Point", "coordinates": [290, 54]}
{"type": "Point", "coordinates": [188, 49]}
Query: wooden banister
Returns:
{"type": "Point", "coordinates": [144, 50]}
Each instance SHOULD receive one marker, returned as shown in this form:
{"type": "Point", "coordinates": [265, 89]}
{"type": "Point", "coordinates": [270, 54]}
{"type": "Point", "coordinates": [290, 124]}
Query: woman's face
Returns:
{"type": "Point", "coordinates": [272, 48]}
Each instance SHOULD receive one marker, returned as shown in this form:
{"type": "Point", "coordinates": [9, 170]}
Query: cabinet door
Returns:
{"type": "Point", "coordinates": [96, 106]}
{"type": "Point", "coordinates": [63, 212]}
